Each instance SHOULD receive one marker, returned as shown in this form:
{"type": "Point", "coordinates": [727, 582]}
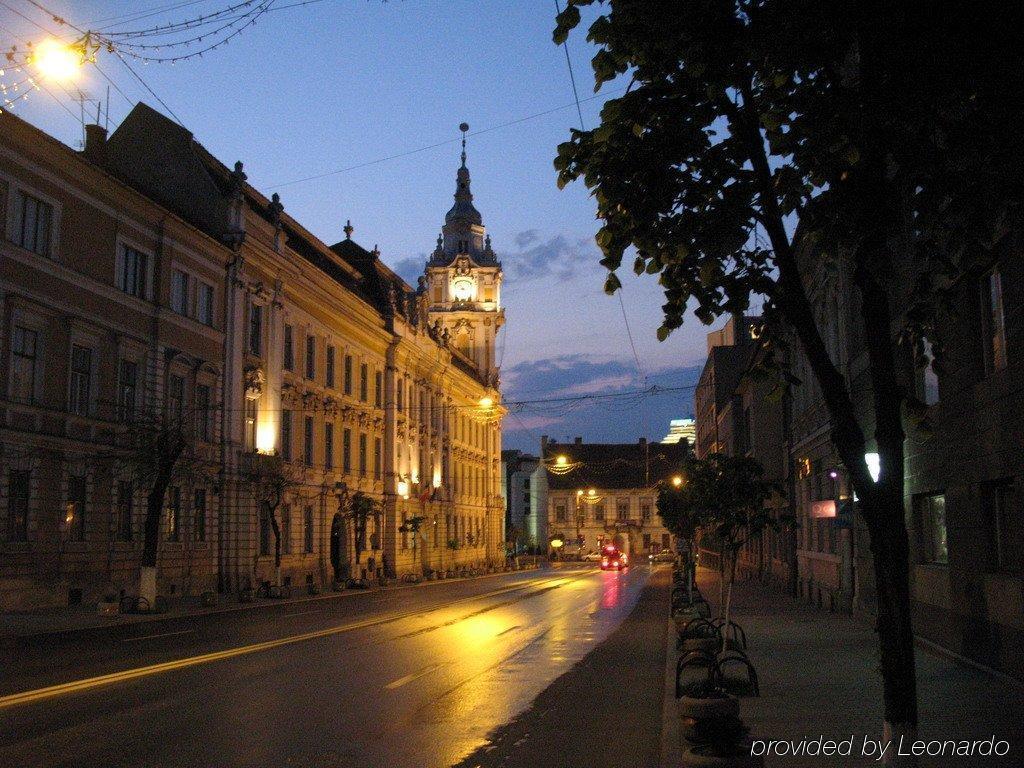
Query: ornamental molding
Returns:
{"type": "Point", "coordinates": [255, 382]}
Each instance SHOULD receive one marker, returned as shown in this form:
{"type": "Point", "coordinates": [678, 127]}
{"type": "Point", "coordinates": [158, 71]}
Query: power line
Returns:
{"type": "Point", "coordinates": [572, 77]}
{"type": "Point", "coordinates": [444, 143]}
{"type": "Point", "coordinates": [145, 85]}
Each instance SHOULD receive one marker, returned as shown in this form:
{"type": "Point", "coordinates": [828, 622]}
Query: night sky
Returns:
{"type": "Point", "coordinates": [341, 83]}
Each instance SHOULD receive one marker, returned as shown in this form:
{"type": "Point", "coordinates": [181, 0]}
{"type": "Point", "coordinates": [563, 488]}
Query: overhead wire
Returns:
{"type": "Point", "coordinates": [622, 304]}
{"type": "Point", "coordinates": [428, 147]}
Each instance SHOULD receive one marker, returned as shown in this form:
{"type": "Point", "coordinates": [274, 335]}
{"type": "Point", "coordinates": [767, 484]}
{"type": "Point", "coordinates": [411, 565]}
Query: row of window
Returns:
{"type": "Point", "coordinates": [1002, 521]}
{"type": "Point", "coordinates": [329, 450]}
{"type": "Point", "coordinates": [73, 524]}
{"type": "Point", "coordinates": [622, 510]}
{"type": "Point", "coordinates": [460, 530]}
{"type": "Point", "coordinates": [409, 398]}
{"type": "Point", "coordinates": [83, 383]}
{"type": "Point", "coordinates": [190, 296]}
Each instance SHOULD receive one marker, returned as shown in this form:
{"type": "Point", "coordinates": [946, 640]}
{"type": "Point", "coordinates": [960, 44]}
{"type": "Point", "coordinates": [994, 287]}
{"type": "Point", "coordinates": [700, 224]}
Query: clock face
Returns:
{"type": "Point", "coordinates": [462, 289]}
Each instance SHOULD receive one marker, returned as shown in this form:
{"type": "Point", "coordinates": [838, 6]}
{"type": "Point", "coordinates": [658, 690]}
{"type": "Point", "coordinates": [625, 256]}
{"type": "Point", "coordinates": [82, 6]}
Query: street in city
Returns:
{"type": "Point", "coordinates": [416, 676]}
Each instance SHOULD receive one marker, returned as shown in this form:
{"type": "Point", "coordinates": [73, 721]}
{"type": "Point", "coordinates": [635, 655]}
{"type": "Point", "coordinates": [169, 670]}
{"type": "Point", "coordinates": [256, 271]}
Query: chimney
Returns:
{"type": "Point", "coordinates": [95, 144]}
{"type": "Point", "coordinates": [578, 441]}
{"type": "Point", "coordinates": [543, 443]}
{"type": "Point", "coordinates": [643, 441]}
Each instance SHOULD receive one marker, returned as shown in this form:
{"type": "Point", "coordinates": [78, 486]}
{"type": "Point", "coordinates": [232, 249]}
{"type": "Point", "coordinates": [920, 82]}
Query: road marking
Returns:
{"type": "Point", "coordinates": [506, 631]}
{"type": "Point", "coordinates": [409, 678]}
{"type": "Point", "coordinates": [162, 634]}
{"type": "Point", "coordinates": [75, 686]}
{"type": "Point", "coordinates": [299, 613]}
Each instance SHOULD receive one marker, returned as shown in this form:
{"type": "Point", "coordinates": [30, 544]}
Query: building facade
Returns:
{"type": "Point", "coordinates": [963, 462]}
{"type": "Point", "coordinates": [525, 484]}
{"type": "Point", "coordinates": [681, 429]}
{"type": "Point", "coordinates": [606, 492]}
{"type": "Point", "coordinates": [309, 376]}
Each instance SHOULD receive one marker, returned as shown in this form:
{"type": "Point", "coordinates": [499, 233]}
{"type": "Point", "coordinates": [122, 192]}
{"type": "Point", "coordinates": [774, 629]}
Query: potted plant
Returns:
{"type": "Point", "coordinates": [109, 604]}
{"type": "Point", "coordinates": [714, 735]}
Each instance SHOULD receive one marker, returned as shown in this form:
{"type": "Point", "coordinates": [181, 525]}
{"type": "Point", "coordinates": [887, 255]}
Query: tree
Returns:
{"type": "Point", "coordinates": [361, 509]}
{"type": "Point", "coordinates": [270, 479]}
{"type": "Point", "coordinates": [155, 449]}
{"type": "Point", "coordinates": [683, 517]}
{"type": "Point", "coordinates": [727, 495]}
{"type": "Point", "coordinates": [876, 136]}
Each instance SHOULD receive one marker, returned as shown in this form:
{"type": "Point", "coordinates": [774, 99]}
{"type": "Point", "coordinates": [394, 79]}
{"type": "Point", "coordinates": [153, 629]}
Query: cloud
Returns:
{"type": "Point", "coordinates": [409, 269]}
{"type": "Point", "coordinates": [602, 419]}
{"type": "Point", "coordinates": [557, 256]}
{"type": "Point", "coordinates": [529, 237]}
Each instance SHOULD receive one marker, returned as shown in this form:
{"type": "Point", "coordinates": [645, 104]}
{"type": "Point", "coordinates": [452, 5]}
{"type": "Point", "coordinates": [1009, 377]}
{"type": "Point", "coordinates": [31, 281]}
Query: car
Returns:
{"type": "Point", "coordinates": [613, 560]}
{"type": "Point", "coordinates": [591, 557]}
{"type": "Point", "coordinates": [665, 556]}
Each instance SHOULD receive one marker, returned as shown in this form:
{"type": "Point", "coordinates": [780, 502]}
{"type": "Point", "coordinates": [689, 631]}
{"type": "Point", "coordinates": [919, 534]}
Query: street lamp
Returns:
{"type": "Point", "coordinates": [56, 61]}
{"type": "Point", "coordinates": [677, 481]}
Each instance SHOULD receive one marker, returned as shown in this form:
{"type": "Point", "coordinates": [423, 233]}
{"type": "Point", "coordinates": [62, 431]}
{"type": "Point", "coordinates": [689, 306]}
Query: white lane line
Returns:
{"type": "Point", "coordinates": [162, 634]}
{"type": "Point", "coordinates": [409, 678]}
{"type": "Point", "coordinates": [299, 613]}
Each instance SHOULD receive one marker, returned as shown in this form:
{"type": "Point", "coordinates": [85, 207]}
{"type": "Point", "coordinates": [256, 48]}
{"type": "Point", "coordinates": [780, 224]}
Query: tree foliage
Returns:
{"type": "Point", "coordinates": [759, 141]}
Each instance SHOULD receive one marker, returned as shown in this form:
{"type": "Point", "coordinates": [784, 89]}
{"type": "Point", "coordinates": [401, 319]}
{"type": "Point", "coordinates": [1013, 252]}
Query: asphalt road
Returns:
{"type": "Point", "coordinates": [407, 677]}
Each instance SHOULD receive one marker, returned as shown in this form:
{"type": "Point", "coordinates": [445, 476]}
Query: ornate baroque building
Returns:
{"type": "Point", "coordinates": [304, 378]}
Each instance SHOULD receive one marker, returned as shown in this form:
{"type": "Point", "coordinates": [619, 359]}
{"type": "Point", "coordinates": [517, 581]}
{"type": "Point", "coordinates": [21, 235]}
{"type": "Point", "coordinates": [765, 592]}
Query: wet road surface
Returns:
{"type": "Point", "coordinates": [406, 677]}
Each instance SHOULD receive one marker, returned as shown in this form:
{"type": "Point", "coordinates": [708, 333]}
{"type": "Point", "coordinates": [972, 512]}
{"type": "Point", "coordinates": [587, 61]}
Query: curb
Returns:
{"type": "Point", "coordinates": [10, 641]}
{"type": "Point", "coordinates": [670, 751]}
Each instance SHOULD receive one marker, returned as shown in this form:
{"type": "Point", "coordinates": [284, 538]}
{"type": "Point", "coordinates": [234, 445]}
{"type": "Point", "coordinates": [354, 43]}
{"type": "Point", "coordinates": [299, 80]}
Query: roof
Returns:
{"type": "Point", "coordinates": [613, 465]}
{"type": "Point", "coordinates": [162, 160]}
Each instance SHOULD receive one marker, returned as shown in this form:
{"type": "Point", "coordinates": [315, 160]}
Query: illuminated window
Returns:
{"type": "Point", "coordinates": [172, 514]}
{"type": "Point", "coordinates": [75, 512]}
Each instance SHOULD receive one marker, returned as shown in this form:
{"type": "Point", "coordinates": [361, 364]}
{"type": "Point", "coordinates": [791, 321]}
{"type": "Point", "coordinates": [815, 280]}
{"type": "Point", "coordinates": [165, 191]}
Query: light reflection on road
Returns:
{"type": "Point", "coordinates": [422, 691]}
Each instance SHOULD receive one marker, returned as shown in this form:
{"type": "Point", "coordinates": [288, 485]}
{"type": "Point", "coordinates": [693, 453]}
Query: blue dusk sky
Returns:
{"type": "Point", "coordinates": [330, 88]}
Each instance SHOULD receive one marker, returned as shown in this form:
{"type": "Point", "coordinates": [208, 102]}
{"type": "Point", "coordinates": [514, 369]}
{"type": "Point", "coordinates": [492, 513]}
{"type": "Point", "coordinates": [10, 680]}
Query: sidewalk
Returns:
{"type": "Point", "coordinates": [53, 621]}
{"type": "Point", "coordinates": [819, 677]}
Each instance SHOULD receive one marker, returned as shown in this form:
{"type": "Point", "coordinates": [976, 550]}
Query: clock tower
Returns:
{"type": "Point", "coordinates": [463, 280]}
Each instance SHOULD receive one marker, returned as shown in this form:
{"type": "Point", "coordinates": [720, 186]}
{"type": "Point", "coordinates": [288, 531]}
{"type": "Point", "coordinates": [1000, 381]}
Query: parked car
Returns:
{"type": "Point", "coordinates": [665, 556]}
{"type": "Point", "coordinates": [591, 557]}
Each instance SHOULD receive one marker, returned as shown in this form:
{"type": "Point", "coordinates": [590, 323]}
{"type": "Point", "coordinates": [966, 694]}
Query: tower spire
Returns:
{"type": "Point", "coordinates": [463, 209]}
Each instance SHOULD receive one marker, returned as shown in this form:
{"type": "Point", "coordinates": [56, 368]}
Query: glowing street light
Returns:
{"type": "Point", "coordinates": [677, 481]}
{"type": "Point", "coordinates": [56, 61]}
{"type": "Point", "coordinates": [486, 402]}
